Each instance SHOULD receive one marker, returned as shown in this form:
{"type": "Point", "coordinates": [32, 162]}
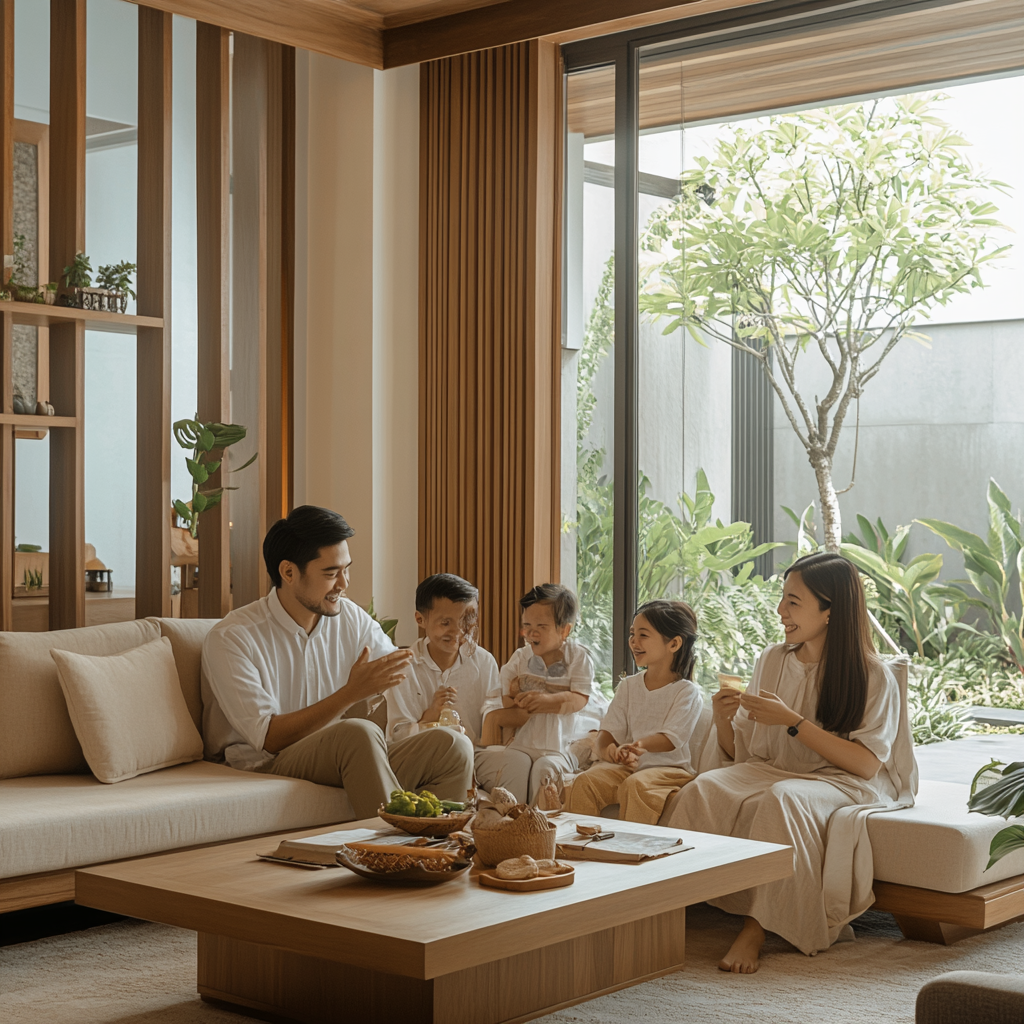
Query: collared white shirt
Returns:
{"type": "Point", "coordinates": [673, 710]}
{"type": "Point", "coordinates": [259, 662]}
{"type": "Point", "coordinates": [547, 733]}
{"type": "Point", "coordinates": [474, 676]}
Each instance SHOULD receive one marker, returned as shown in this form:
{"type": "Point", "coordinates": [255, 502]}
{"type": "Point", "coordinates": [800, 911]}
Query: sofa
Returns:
{"type": "Point", "coordinates": [971, 997]}
{"type": "Point", "coordinates": [54, 814]}
{"type": "Point", "coordinates": [929, 859]}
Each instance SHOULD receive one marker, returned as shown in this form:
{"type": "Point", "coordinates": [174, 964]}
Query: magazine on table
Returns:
{"type": "Point", "coordinates": [320, 851]}
{"type": "Point", "coordinates": [617, 845]}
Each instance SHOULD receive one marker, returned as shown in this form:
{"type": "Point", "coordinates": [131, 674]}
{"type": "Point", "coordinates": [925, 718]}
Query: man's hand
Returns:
{"type": "Point", "coordinates": [369, 678]}
{"type": "Point", "coordinates": [444, 697]}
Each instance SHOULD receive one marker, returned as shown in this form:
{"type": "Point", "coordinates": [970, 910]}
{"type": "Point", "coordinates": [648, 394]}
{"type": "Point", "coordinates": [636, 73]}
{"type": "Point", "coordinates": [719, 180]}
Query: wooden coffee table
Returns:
{"type": "Point", "coordinates": [320, 946]}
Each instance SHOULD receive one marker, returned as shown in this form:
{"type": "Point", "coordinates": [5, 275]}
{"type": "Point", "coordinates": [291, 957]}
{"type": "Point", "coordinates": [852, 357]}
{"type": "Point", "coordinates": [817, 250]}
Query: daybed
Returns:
{"type": "Point", "coordinates": [55, 816]}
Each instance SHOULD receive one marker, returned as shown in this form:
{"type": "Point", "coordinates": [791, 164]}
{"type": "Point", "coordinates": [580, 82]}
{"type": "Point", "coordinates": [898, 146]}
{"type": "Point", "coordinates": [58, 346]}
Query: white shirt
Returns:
{"type": "Point", "coordinates": [474, 676]}
{"type": "Point", "coordinates": [258, 662]}
{"type": "Point", "coordinates": [547, 733]}
{"type": "Point", "coordinates": [673, 710]}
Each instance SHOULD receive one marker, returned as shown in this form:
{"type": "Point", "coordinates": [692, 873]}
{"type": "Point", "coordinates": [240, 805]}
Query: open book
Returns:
{"type": "Point", "coordinates": [623, 847]}
{"type": "Point", "coordinates": [320, 851]}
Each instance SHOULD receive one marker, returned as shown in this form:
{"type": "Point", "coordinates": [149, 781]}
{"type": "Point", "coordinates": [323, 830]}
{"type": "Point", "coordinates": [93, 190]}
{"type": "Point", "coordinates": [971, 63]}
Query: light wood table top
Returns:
{"type": "Point", "coordinates": [422, 932]}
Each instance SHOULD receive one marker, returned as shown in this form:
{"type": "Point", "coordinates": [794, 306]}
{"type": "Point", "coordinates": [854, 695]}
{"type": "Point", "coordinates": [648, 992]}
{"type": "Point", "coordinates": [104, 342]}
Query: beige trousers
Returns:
{"type": "Point", "coordinates": [352, 754]}
{"type": "Point", "coordinates": [641, 795]}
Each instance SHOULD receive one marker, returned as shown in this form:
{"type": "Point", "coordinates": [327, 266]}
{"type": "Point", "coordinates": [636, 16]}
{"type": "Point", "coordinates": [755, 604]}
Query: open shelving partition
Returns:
{"type": "Point", "coordinates": [67, 326]}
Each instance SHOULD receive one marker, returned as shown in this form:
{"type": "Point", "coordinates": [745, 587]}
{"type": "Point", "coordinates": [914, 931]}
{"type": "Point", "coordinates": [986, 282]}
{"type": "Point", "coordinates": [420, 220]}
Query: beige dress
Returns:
{"type": "Point", "coordinates": [780, 791]}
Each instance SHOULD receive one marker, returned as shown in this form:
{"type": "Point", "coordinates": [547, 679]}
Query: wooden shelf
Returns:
{"type": "Point", "coordinates": [39, 315]}
{"type": "Point", "coordinates": [38, 422]}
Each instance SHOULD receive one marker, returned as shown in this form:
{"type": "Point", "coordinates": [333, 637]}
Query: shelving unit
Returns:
{"type": "Point", "coordinates": [39, 315]}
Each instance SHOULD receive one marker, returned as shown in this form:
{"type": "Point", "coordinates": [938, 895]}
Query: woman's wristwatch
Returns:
{"type": "Point", "coordinates": [794, 729]}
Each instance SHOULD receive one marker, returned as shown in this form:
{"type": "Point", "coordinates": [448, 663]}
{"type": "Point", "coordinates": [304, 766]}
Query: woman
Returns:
{"type": "Point", "coordinates": [819, 740]}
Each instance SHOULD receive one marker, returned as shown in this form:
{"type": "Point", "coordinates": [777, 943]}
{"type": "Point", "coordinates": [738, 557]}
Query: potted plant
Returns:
{"type": "Point", "coordinates": [78, 282]}
{"type": "Point", "coordinates": [19, 286]}
{"type": "Point", "coordinates": [116, 280]}
{"type": "Point", "coordinates": [1003, 796]}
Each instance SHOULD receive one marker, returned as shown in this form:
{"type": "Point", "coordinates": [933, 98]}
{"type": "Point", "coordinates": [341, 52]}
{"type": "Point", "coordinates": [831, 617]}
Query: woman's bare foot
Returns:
{"type": "Point", "coordinates": [743, 954]}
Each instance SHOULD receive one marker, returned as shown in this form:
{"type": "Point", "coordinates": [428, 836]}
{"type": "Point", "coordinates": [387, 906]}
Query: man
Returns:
{"type": "Point", "coordinates": [279, 674]}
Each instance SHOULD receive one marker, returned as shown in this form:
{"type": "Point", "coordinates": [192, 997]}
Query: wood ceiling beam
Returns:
{"type": "Point", "coordinates": [331, 27]}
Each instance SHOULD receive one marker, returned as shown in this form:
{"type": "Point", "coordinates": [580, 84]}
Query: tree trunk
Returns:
{"type": "Point", "coordinates": [831, 518]}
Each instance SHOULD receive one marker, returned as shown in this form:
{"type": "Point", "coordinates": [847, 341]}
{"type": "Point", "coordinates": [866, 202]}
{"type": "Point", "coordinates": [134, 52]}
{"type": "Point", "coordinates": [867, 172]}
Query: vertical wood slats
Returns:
{"type": "Point", "coordinates": [6, 361]}
{"type": "Point", "coordinates": [67, 341]}
{"type": "Point", "coordinates": [153, 450]}
{"type": "Point", "coordinates": [490, 148]}
{"type": "Point", "coordinates": [213, 291]}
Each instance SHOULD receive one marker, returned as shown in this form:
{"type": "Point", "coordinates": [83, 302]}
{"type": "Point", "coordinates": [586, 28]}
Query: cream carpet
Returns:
{"type": "Point", "coordinates": [138, 973]}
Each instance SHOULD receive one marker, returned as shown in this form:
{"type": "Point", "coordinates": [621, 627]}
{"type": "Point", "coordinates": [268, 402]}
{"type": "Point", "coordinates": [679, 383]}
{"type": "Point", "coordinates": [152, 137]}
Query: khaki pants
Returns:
{"type": "Point", "coordinates": [641, 795]}
{"type": "Point", "coordinates": [352, 754]}
{"type": "Point", "coordinates": [521, 773]}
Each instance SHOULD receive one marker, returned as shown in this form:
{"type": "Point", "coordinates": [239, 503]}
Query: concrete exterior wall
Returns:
{"type": "Point", "coordinates": [935, 425]}
{"type": "Point", "coordinates": [356, 360]}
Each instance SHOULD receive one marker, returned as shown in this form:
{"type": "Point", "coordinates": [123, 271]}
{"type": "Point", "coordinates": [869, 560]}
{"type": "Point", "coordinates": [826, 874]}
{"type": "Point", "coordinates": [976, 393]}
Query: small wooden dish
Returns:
{"type": "Point", "coordinates": [492, 881]}
{"type": "Point", "coordinates": [444, 825]}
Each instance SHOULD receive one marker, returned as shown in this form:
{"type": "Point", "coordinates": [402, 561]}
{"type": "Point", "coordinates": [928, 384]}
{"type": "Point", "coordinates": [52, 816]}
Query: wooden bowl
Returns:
{"type": "Point", "coordinates": [410, 876]}
{"type": "Point", "coordinates": [441, 826]}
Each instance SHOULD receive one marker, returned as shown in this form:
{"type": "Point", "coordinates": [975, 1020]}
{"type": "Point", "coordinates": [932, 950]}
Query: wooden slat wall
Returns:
{"type": "Point", "coordinates": [213, 120]}
{"type": "Point", "coordinates": [67, 341]}
{"type": "Point", "coordinates": [153, 487]}
{"type": "Point", "coordinates": [7, 244]}
{"type": "Point", "coordinates": [490, 167]}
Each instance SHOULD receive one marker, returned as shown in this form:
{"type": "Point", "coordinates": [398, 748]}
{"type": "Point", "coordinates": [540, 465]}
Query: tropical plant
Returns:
{"type": "Point", "coordinates": [1004, 798]}
{"type": "Point", "coordinates": [995, 568]}
{"type": "Point", "coordinates": [825, 234]}
{"type": "Point", "coordinates": [933, 716]}
{"type": "Point", "coordinates": [117, 277]}
{"type": "Point", "coordinates": [208, 443]}
{"type": "Point", "coordinates": [388, 626]}
{"type": "Point", "coordinates": [78, 273]}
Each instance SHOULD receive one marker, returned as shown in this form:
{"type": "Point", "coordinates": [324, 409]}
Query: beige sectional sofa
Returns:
{"type": "Point", "coordinates": [55, 816]}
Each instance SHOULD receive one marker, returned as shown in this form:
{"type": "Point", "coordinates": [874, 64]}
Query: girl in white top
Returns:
{"type": "Point", "coordinates": [644, 742]}
{"type": "Point", "coordinates": [543, 685]}
{"type": "Point", "coordinates": [819, 741]}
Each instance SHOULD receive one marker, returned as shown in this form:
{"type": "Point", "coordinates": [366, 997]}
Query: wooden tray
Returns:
{"type": "Point", "coordinates": [527, 884]}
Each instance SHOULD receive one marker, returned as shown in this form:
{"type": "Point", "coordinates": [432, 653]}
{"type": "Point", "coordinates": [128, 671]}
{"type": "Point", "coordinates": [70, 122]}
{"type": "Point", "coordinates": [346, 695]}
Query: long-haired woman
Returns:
{"type": "Point", "coordinates": [818, 740]}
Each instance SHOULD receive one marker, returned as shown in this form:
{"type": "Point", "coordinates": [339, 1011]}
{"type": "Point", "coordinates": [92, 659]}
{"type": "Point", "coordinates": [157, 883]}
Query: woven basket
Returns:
{"type": "Point", "coordinates": [442, 826]}
{"type": "Point", "coordinates": [493, 845]}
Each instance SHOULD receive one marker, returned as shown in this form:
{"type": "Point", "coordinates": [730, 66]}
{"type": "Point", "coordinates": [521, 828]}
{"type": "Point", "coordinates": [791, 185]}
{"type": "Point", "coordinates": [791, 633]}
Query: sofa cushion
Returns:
{"type": "Point", "coordinates": [36, 734]}
{"type": "Point", "coordinates": [51, 823]}
{"type": "Point", "coordinates": [128, 710]}
{"type": "Point", "coordinates": [938, 843]}
{"type": "Point", "coordinates": [187, 636]}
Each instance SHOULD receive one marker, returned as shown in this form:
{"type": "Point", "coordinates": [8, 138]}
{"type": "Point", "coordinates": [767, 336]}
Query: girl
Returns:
{"type": "Point", "coordinates": [819, 740]}
{"type": "Point", "coordinates": [644, 743]}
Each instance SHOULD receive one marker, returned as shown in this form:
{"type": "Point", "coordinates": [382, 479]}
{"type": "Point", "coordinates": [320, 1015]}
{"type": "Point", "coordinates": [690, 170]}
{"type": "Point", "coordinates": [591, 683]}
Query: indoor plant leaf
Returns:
{"type": "Point", "coordinates": [1004, 842]}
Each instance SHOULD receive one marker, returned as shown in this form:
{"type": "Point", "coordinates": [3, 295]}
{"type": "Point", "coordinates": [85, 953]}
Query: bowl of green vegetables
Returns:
{"type": "Point", "coordinates": [422, 814]}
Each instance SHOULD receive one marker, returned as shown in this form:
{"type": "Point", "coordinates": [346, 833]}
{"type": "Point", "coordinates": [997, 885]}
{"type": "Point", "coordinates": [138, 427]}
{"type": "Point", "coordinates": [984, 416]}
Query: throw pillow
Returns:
{"type": "Point", "coordinates": [128, 710]}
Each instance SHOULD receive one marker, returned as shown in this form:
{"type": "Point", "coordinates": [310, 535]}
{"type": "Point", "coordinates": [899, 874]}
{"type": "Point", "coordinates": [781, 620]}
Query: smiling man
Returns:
{"type": "Point", "coordinates": [279, 674]}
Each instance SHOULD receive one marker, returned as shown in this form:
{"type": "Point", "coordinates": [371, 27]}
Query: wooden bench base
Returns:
{"type": "Point", "coordinates": [946, 917]}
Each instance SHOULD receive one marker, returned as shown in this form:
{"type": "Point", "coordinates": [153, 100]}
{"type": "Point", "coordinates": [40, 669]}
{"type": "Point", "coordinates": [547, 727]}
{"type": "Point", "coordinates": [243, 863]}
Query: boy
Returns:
{"type": "Point", "coordinates": [448, 669]}
{"type": "Point", "coordinates": [543, 685]}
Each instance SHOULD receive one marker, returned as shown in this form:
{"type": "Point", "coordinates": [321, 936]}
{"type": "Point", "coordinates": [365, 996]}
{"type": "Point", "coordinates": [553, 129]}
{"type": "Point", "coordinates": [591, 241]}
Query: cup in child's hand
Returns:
{"type": "Point", "coordinates": [726, 682]}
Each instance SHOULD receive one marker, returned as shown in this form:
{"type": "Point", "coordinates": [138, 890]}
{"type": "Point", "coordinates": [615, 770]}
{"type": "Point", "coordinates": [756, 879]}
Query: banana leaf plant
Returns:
{"type": "Point", "coordinates": [207, 442]}
{"type": "Point", "coordinates": [994, 567]}
{"type": "Point", "coordinates": [1004, 798]}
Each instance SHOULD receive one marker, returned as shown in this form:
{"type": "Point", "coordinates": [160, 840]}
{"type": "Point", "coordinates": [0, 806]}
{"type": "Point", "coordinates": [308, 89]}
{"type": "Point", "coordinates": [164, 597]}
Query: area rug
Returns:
{"type": "Point", "coordinates": [138, 973]}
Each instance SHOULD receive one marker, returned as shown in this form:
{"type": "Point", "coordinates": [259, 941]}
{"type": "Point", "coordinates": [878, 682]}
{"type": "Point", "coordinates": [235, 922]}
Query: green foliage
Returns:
{"type": "Point", "coordinates": [933, 716]}
{"type": "Point", "coordinates": [1004, 798]}
{"type": "Point", "coordinates": [994, 567]}
{"type": "Point", "coordinates": [824, 235]}
{"type": "Point", "coordinates": [117, 277]}
{"type": "Point", "coordinates": [207, 441]}
{"type": "Point", "coordinates": [388, 626]}
{"type": "Point", "coordinates": [78, 273]}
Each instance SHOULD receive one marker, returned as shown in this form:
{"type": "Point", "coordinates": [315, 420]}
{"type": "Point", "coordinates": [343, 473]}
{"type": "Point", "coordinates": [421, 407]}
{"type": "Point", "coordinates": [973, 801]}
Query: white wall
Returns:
{"type": "Point", "coordinates": [356, 360]}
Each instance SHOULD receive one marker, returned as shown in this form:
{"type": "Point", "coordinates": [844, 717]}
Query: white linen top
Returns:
{"type": "Point", "coordinates": [797, 686]}
{"type": "Point", "coordinates": [546, 733]}
{"type": "Point", "coordinates": [258, 662]}
{"type": "Point", "coordinates": [673, 710]}
{"type": "Point", "coordinates": [475, 676]}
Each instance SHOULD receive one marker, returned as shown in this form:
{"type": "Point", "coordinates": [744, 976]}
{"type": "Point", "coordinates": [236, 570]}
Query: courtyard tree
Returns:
{"type": "Point", "coordinates": [822, 236]}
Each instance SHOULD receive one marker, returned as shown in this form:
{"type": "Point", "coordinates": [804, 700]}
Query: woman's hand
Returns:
{"type": "Point", "coordinates": [725, 704]}
{"type": "Point", "coordinates": [768, 708]}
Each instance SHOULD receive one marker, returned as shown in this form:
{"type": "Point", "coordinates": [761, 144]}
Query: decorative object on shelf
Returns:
{"type": "Point", "coordinates": [18, 284]}
{"type": "Point", "coordinates": [19, 405]}
{"type": "Point", "coordinates": [31, 571]}
{"type": "Point", "coordinates": [44, 409]}
{"type": "Point", "coordinates": [208, 442]}
{"type": "Point", "coordinates": [49, 292]}
{"type": "Point", "coordinates": [109, 295]}
{"type": "Point", "coordinates": [99, 580]}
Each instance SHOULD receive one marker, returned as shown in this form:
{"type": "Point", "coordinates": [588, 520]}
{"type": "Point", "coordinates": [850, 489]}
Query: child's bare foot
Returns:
{"type": "Point", "coordinates": [743, 954]}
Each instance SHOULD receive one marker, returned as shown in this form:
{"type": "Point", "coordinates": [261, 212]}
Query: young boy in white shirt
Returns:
{"type": "Point", "coordinates": [543, 685]}
{"type": "Point", "coordinates": [448, 668]}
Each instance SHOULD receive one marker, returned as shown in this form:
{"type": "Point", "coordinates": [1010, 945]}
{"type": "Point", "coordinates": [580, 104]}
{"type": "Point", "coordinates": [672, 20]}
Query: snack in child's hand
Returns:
{"type": "Point", "coordinates": [727, 682]}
